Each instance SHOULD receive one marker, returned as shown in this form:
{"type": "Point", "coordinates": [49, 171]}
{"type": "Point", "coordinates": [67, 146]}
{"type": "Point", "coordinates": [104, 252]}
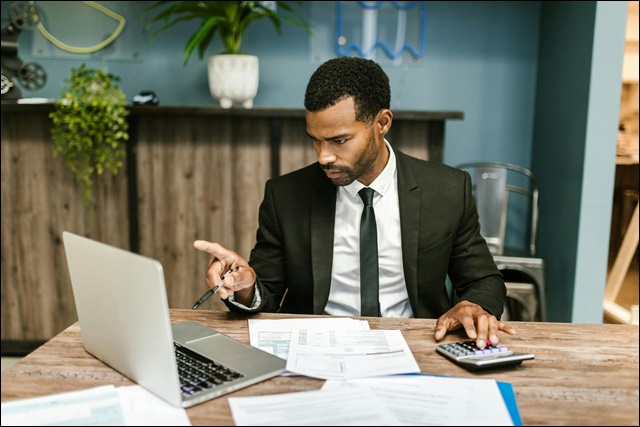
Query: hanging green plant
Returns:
{"type": "Point", "coordinates": [90, 129]}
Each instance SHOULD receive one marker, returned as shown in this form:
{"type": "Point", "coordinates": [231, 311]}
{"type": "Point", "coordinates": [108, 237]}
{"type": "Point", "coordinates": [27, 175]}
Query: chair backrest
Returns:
{"type": "Point", "coordinates": [493, 184]}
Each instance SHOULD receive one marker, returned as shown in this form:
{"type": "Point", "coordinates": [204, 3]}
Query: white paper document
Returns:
{"type": "Point", "coordinates": [98, 406]}
{"type": "Point", "coordinates": [347, 354]}
{"type": "Point", "coordinates": [273, 335]}
{"type": "Point", "coordinates": [143, 408]}
{"type": "Point", "coordinates": [431, 400]}
{"type": "Point", "coordinates": [339, 407]}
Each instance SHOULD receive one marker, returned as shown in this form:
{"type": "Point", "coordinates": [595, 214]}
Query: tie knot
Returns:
{"type": "Point", "coordinates": [366, 194]}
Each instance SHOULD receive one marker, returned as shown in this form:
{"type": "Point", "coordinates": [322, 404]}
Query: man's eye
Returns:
{"type": "Point", "coordinates": [339, 141]}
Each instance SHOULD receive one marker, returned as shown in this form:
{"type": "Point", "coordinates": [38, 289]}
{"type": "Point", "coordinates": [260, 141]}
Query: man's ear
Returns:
{"type": "Point", "coordinates": [383, 122]}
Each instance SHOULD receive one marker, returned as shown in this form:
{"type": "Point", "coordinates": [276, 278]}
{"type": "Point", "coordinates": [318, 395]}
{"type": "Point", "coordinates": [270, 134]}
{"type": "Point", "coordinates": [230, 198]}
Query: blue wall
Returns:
{"type": "Point", "coordinates": [527, 76]}
{"type": "Point", "coordinates": [481, 58]}
{"type": "Point", "coordinates": [578, 102]}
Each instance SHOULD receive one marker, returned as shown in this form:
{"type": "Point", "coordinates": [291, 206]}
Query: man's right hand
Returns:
{"type": "Point", "coordinates": [241, 281]}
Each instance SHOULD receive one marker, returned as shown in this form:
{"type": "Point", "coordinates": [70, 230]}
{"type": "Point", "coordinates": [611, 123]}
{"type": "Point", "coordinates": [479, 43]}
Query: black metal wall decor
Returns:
{"type": "Point", "coordinates": [30, 75]}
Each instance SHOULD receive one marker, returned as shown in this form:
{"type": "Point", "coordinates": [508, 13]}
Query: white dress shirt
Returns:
{"type": "Point", "coordinates": [344, 296]}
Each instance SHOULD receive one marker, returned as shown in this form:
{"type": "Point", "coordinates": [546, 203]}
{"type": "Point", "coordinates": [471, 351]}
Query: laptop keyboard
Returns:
{"type": "Point", "coordinates": [198, 373]}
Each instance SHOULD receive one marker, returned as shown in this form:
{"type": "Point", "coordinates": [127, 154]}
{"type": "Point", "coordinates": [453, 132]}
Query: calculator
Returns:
{"type": "Point", "coordinates": [472, 358]}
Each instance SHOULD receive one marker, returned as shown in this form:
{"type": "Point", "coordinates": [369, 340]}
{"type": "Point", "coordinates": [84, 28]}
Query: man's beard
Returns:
{"type": "Point", "coordinates": [361, 166]}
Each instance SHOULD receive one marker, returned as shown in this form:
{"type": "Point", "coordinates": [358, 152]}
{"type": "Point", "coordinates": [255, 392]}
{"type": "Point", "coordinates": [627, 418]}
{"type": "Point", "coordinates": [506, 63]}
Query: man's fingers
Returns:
{"type": "Point", "coordinates": [469, 324]}
{"type": "Point", "coordinates": [221, 261]}
{"type": "Point", "coordinates": [442, 326]}
{"type": "Point", "coordinates": [481, 328]}
{"type": "Point", "coordinates": [508, 329]}
{"type": "Point", "coordinates": [214, 249]}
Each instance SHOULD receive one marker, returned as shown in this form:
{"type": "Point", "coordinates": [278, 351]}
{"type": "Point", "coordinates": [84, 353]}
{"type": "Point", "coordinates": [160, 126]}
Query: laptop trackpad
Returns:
{"type": "Point", "coordinates": [217, 347]}
{"type": "Point", "coordinates": [206, 341]}
{"type": "Point", "coordinates": [184, 332]}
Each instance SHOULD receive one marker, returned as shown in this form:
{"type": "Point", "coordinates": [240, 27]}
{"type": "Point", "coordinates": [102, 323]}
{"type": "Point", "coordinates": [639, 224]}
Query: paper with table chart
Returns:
{"type": "Point", "coordinates": [98, 406]}
{"type": "Point", "coordinates": [347, 354]}
{"type": "Point", "coordinates": [334, 347]}
{"type": "Point", "coordinates": [273, 335]}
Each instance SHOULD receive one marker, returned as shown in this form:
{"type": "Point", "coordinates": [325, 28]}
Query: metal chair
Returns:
{"type": "Point", "coordinates": [504, 192]}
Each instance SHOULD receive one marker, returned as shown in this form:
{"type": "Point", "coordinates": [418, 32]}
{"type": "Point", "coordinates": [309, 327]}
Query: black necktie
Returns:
{"type": "Point", "coordinates": [369, 305]}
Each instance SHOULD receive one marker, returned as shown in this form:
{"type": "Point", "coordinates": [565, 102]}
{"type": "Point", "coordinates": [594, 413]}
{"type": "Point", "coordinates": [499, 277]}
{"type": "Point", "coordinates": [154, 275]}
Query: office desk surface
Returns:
{"type": "Point", "coordinates": [582, 374]}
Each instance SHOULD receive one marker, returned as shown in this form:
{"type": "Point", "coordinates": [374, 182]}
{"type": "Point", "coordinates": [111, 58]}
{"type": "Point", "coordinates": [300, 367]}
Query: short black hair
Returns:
{"type": "Point", "coordinates": [339, 78]}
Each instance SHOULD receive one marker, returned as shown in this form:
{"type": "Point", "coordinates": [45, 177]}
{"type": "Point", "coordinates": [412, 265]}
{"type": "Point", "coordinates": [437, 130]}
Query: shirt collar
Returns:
{"type": "Point", "coordinates": [381, 184]}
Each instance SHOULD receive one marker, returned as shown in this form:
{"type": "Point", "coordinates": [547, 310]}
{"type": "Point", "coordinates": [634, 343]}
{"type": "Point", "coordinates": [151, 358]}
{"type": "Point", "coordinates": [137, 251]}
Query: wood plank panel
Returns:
{"type": "Point", "coordinates": [296, 150]}
{"type": "Point", "coordinates": [39, 200]}
{"type": "Point", "coordinates": [412, 138]}
{"type": "Point", "coordinates": [198, 178]}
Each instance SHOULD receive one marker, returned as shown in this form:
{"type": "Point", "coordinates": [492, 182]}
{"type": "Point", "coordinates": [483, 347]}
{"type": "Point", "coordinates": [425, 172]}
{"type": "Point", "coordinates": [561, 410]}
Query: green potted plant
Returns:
{"type": "Point", "coordinates": [233, 74]}
{"type": "Point", "coordinates": [90, 129]}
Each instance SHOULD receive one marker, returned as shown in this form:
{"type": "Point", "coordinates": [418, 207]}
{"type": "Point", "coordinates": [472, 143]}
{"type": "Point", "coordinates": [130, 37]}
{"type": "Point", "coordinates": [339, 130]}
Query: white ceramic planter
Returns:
{"type": "Point", "coordinates": [233, 79]}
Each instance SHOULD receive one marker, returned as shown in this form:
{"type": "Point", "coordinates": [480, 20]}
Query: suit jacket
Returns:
{"type": "Point", "coordinates": [439, 229]}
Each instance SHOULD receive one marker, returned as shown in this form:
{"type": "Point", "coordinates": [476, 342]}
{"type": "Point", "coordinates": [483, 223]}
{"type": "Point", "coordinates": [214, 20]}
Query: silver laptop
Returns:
{"type": "Point", "coordinates": [122, 307]}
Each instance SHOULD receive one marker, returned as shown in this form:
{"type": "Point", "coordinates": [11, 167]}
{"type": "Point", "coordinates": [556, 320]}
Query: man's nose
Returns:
{"type": "Point", "coordinates": [325, 154]}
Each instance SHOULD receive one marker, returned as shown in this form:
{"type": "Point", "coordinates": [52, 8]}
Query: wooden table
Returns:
{"type": "Point", "coordinates": [582, 374]}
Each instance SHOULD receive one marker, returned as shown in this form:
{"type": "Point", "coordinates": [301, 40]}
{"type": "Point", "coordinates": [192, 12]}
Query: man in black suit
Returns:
{"type": "Point", "coordinates": [307, 255]}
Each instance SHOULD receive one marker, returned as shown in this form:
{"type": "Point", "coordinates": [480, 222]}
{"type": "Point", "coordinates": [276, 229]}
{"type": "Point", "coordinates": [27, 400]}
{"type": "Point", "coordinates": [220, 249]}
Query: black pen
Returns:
{"type": "Point", "coordinates": [213, 290]}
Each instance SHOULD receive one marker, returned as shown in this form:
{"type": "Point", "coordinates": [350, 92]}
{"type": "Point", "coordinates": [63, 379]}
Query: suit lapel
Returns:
{"type": "Point", "coordinates": [323, 211]}
{"type": "Point", "coordinates": [409, 200]}
{"type": "Point", "coordinates": [323, 208]}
